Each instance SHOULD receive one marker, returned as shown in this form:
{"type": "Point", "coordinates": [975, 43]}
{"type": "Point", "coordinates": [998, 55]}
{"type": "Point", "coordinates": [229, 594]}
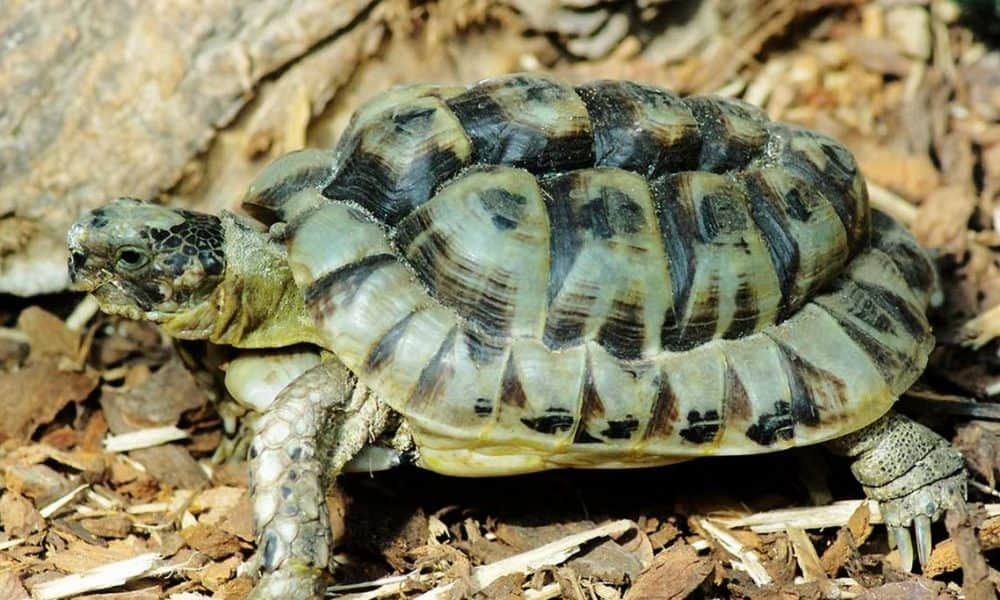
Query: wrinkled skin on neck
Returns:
{"type": "Point", "coordinates": [198, 276]}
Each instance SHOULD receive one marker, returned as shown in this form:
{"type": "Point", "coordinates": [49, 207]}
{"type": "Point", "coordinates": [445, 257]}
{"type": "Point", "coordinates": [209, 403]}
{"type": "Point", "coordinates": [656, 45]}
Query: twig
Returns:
{"type": "Point", "coordinates": [82, 313]}
{"type": "Point", "coordinates": [744, 558]}
{"type": "Point", "coordinates": [384, 587]}
{"type": "Point", "coordinates": [982, 487]}
{"type": "Point", "coordinates": [144, 438]}
{"type": "Point", "coordinates": [813, 517]}
{"type": "Point", "coordinates": [552, 553]}
{"type": "Point", "coordinates": [892, 204]}
{"type": "Point", "coordinates": [102, 577]}
{"type": "Point", "coordinates": [53, 507]}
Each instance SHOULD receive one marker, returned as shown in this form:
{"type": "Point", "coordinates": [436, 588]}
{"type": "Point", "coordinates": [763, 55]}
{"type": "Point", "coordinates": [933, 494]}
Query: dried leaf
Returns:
{"type": "Point", "coordinates": [11, 588]}
{"type": "Point", "coordinates": [920, 589]}
{"type": "Point", "coordinates": [36, 394]}
{"type": "Point", "coordinates": [19, 516]}
{"type": "Point", "coordinates": [160, 400]}
{"type": "Point", "coordinates": [48, 334]}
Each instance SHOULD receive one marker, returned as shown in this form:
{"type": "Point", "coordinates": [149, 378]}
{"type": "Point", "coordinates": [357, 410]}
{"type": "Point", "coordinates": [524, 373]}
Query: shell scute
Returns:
{"type": "Point", "coordinates": [829, 168]}
{"type": "Point", "coordinates": [539, 403]}
{"type": "Point", "coordinates": [526, 121]}
{"type": "Point", "coordinates": [481, 246]}
{"type": "Point", "coordinates": [733, 132]}
{"type": "Point", "coordinates": [615, 411]}
{"type": "Point", "coordinates": [641, 128]}
{"type": "Point", "coordinates": [608, 276]}
{"type": "Point", "coordinates": [397, 162]}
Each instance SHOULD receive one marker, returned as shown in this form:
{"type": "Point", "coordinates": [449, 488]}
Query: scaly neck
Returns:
{"type": "Point", "coordinates": [257, 304]}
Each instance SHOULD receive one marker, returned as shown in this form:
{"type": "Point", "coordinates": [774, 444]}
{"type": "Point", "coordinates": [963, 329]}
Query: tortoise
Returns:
{"type": "Point", "coordinates": [522, 275]}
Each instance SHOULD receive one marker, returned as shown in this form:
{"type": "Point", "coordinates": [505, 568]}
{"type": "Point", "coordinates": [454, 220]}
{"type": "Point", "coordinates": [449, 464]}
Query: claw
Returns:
{"type": "Point", "coordinates": [905, 545]}
{"type": "Point", "coordinates": [892, 541]}
{"type": "Point", "coordinates": [922, 529]}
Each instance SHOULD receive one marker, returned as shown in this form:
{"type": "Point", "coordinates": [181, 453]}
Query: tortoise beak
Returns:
{"type": "Point", "coordinates": [81, 278]}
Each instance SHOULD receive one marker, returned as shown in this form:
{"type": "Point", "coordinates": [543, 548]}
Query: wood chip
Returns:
{"type": "Point", "coordinates": [848, 538]}
{"type": "Point", "coordinates": [211, 540]}
{"type": "Point", "coordinates": [806, 556]}
{"type": "Point", "coordinates": [11, 588]}
{"type": "Point", "coordinates": [921, 589]}
{"type": "Point", "coordinates": [945, 555]}
{"type": "Point", "coordinates": [19, 516]}
{"type": "Point", "coordinates": [911, 175]}
{"type": "Point", "coordinates": [160, 400]}
{"type": "Point", "coordinates": [674, 573]}
{"type": "Point", "coordinates": [748, 560]}
{"type": "Point", "coordinates": [110, 526]}
{"type": "Point", "coordinates": [47, 334]}
{"type": "Point", "coordinates": [171, 465]}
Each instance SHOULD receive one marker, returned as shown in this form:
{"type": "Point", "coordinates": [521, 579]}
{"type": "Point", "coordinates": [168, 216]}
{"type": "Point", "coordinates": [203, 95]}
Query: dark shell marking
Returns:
{"type": "Point", "coordinates": [608, 268]}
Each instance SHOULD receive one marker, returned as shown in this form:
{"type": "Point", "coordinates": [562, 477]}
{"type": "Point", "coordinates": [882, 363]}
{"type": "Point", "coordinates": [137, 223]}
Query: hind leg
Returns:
{"type": "Point", "coordinates": [317, 423]}
{"type": "Point", "coordinates": [914, 473]}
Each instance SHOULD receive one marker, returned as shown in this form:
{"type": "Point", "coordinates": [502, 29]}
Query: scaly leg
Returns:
{"type": "Point", "coordinates": [316, 425]}
{"type": "Point", "coordinates": [914, 473]}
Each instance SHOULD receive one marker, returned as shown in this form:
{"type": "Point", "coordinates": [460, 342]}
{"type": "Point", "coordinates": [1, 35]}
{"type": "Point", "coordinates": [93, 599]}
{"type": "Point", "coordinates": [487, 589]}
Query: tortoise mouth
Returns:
{"type": "Point", "coordinates": [81, 283]}
{"type": "Point", "coordinates": [120, 300]}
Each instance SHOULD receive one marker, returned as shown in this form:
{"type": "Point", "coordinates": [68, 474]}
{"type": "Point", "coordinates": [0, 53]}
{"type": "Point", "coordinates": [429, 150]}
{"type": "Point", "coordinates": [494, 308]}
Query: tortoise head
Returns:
{"type": "Point", "coordinates": [146, 261]}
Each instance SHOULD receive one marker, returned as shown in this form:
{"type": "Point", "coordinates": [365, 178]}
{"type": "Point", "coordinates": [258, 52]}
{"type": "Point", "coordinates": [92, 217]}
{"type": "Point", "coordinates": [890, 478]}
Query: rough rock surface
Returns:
{"type": "Point", "coordinates": [108, 97]}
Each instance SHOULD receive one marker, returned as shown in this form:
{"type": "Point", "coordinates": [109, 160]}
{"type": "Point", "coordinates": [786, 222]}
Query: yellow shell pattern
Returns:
{"type": "Point", "coordinates": [539, 276]}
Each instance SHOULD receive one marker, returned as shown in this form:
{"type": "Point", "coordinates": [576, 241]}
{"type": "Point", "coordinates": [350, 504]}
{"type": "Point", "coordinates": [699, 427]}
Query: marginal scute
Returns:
{"type": "Point", "coordinates": [550, 388]}
{"type": "Point", "coordinates": [892, 330]}
{"type": "Point", "coordinates": [310, 253]}
{"type": "Point", "coordinates": [392, 100]}
{"type": "Point", "coordinates": [357, 304]}
{"type": "Point", "coordinates": [281, 180]}
{"type": "Point", "coordinates": [818, 355]}
{"type": "Point", "coordinates": [698, 380]}
{"type": "Point", "coordinates": [624, 397]}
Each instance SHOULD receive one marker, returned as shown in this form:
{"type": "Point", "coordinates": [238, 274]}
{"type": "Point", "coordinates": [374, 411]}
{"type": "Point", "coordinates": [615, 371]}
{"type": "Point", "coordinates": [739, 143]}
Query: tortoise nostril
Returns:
{"type": "Point", "coordinates": [76, 260]}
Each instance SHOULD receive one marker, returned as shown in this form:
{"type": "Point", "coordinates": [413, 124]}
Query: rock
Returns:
{"type": "Point", "coordinates": [909, 27]}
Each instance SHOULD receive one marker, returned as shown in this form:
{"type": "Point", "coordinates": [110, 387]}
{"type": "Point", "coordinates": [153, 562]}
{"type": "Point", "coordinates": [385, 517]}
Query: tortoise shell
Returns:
{"type": "Point", "coordinates": [537, 275]}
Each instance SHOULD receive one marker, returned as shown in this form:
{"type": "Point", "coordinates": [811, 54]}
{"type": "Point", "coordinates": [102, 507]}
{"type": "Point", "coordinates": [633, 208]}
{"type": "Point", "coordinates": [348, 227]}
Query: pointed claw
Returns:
{"type": "Point", "coordinates": [892, 540]}
{"type": "Point", "coordinates": [905, 545]}
{"type": "Point", "coordinates": [922, 529]}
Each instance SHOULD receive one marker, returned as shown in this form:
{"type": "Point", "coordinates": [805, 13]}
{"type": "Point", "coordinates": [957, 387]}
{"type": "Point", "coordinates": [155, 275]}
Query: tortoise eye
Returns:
{"type": "Point", "coordinates": [131, 259]}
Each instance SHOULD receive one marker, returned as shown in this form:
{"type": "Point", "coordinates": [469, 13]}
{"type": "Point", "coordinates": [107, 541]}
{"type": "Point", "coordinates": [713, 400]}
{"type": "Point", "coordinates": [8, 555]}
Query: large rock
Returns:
{"type": "Point", "coordinates": [106, 97]}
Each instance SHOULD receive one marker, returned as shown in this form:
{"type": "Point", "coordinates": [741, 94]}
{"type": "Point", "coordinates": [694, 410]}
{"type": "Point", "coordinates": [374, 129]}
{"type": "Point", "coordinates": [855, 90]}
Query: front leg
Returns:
{"type": "Point", "coordinates": [913, 472]}
{"type": "Point", "coordinates": [315, 426]}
